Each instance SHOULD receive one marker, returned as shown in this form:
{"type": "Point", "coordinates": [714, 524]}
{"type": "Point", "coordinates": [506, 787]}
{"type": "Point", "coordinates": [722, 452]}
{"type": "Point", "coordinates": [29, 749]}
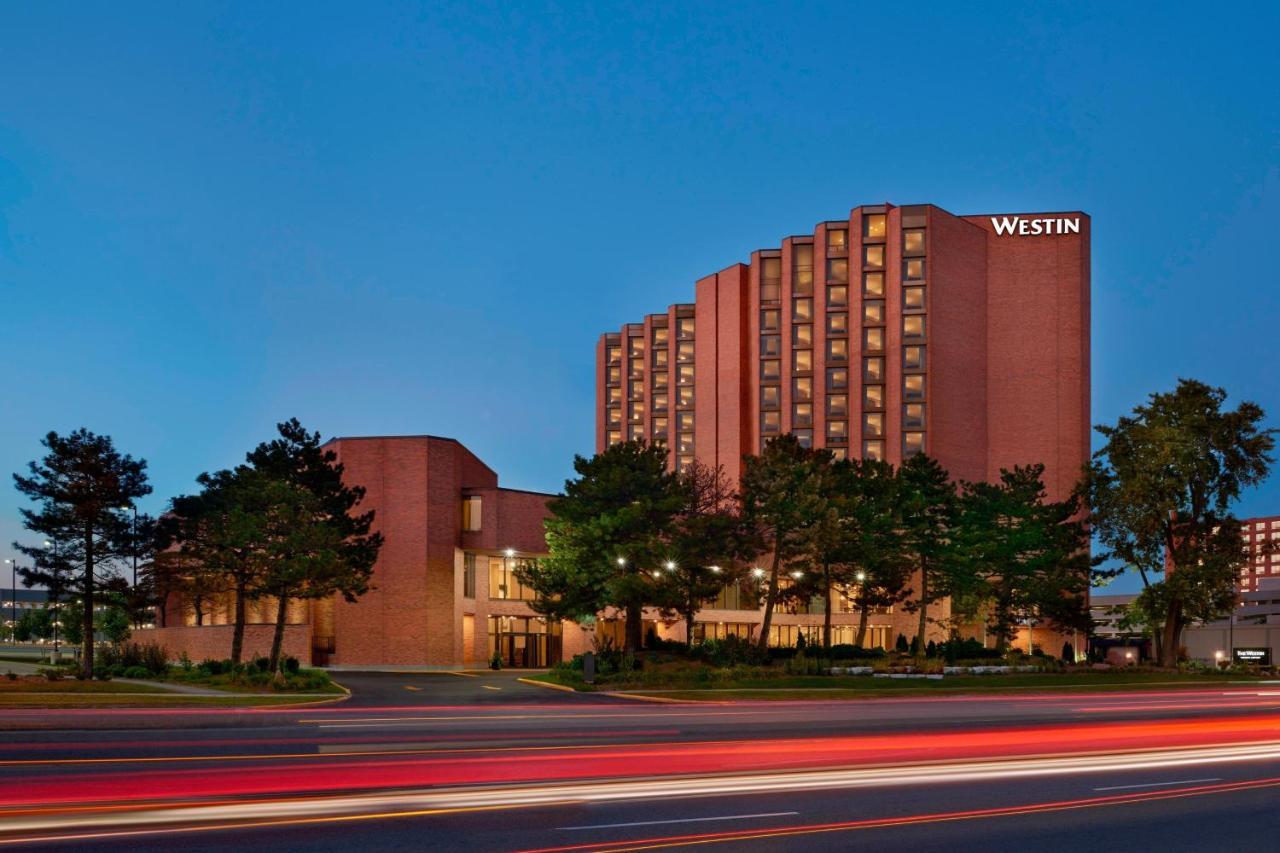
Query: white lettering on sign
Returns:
{"type": "Point", "coordinates": [1034, 227]}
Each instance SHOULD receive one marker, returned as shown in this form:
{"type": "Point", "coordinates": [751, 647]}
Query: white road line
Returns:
{"type": "Point", "coordinates": [684, 820]}
{"type": "Point", "coordinates": [1157, 784]}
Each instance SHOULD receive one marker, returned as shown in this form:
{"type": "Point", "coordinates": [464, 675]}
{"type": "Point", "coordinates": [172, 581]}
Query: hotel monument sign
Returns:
{"type": "Point", "coordinates": [1035, 226]}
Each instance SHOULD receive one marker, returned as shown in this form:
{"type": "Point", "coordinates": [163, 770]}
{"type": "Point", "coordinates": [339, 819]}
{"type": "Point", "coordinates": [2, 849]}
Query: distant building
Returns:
{"type": "Point", "coordinates": [1262, 548]}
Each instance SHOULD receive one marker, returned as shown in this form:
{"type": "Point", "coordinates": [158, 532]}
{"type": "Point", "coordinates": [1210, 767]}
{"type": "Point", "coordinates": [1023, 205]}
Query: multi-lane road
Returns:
{"type": "Point", "coordinates": [457, 762]}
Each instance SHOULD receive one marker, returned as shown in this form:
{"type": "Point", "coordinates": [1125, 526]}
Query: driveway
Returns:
{"type": "Point", "coordinates": [453, 688]}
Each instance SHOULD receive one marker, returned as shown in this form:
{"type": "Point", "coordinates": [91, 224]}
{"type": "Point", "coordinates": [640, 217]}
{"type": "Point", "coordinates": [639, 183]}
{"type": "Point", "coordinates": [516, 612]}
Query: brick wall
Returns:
{"type": "Point", "coordinates": [214, 641]}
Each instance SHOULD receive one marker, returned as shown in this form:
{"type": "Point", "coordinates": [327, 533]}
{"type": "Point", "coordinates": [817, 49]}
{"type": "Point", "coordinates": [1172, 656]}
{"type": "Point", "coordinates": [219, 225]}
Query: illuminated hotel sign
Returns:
{"type": "Point", "coordinates": [1255, 656]}
{"type": "Point", "coordinates": [1024, 227]}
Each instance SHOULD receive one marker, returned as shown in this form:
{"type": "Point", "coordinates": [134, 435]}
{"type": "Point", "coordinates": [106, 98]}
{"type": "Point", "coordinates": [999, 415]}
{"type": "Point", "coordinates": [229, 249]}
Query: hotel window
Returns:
{"type": "Point", "coordinates": [684, 328]}
{"type": "Point", "coordinates": [873, 396]}
{"type": "Point", "coordinates": [913, 269]}
{"type": "Point", "coordinates": [635, 391]}
{"type": "Point", "coordinates": [684, 422]}
{"type": "Point", "coordinates": [873, 424]}
{"type": "Point", "coordinates": [873, 311]}
{"type": "Point", "coordinates": [837, 349]}
{"type": "Point", "coordinates": [873, 369]}
{"type": "Point", "coordinates": [913, 416]}
{"type": "Point", "coordinates": [615, 375]}
{"type": "Point", "coordinates": [685, 442]}
{"type": "Point", "coordinates": [660, 402]}
{"type": "Point", "coordinates": [802, 415]}
{"type": "Point", "coordinates": [770, 346]}
{"type": "Point", "coordinates": [660, 358]}
{"type": "Point", "coordinates": [615, 355]}
{"type": "Point", "coordinates": [837, 240]}
{"type": "Point", "coordinates": [838, 323]}
{"type": "Point", "coordinates": [839, 454]}
{"type": "Point", "coordinates": [471, 514]}
{"type": "Point", "coordinates": [660, 381]}
{"type": "Point", "coordinates": [684, 353]}
{"type": "Point", "coordinates": [770, 423]}
{"type": "Point", "coordinates": [913, 386]}
{"type": "Point", "coordinates": [873, 450]}
{"type": "Point", "coordinates": [770, 397]}
{"type": "Point", "coordinates": [635, 432]}
{"type": "Point", "coordinates": [636, 370]}
{"type": "Point", "coordinates": [912, 443]}
{"type": "Point", "coordinates": [660, 336]}
{"type": "Point", "coordinates": [615, 396]}
{"type": "Point", "coordinates": [913, 242]}
{"type": "Point", "coordinates": [770, 320]}
{"type": "Point", "coordinates": [873, 285]}
{"type": "Point", "coordinates": [615, 416]}
{"type": "Point", "coordinates": [802, 268]}
{"type": "Point", "coordinates": [913, 358]}
{"type": "Point", "coordinates": [873, 257]}
{"type": "Point", "coordinates": [770, 279]}
{"type": "Point", "coordinates": [684, 374]}
{"type": "Point", "coordinates": [803, 360]}
{"type": "Point", "coordinates": [837, 270]}
{"type": "Point", "coordinates": [837, 297]}
{"type": "Point", "coordinates": [838, 405]}
{"type": "Point", "coordinates": [636, 411]}
{"type": "Point", "coordinates": [503, 583]}
{"type": "Point", "coordinates": [873, 225]}
{"type": "Point", "coordinates": [468, 575]}
{"type": "Point", "coordinates": [837, 378]}
{"type": "Point", "coordinates": [873, 339]}
{"type": "Point", "coordinates": [614, 437]}
{"type": "Point", "coordinates": [802, 389]}
{"type": "Point", "coordinates": [771, 368]}
{"type": "Point", "coordinates": [804, 436]}
{"type": "Point", "coordinates": [801, 310]}
{"type": "Point", "coordinates": [659, 429]}
{"type": "Point", "coordinates": [802, 335]}
{"type": "Point", "coordinates": [635, 347]}
{"type": "Point", "coordinates": [838, 431]}
{"type": "Point", "coordinates": [913, 298]}
{"type": "Point", "coordinates": [685, 396]}
{"type": "Point", "coordinates": [913, 327]}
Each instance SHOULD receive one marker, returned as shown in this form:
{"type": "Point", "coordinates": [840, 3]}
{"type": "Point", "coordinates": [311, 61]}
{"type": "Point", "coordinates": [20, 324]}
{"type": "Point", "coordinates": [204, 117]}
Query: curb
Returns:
{"type": "Point", "coordinates": [547, 684]}
{"type": "Point", "coordinates": [661, 700]}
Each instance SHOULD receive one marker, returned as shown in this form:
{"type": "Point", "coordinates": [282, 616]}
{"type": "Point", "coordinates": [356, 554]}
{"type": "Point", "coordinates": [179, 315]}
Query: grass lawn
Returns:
{"type": "Point", "coordinates": [70, 693]}
{"type": "Point", "coordinates": [801, 687]}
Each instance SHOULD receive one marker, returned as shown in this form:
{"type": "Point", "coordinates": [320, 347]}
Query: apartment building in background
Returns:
{"type": "Point", "coordinates": [1262, 551]}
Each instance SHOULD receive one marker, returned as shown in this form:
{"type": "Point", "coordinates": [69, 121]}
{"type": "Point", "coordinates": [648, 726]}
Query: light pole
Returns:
{"type": "Point", "coordinates": [13, 604]}
{"type": "Point", "coordinates": [133, 543]}
{"type": "Point", "coordinates": [52, 600]}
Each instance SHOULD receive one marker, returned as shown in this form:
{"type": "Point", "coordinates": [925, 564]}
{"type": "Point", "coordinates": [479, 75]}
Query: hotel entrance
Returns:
{"type": "Point", "coordinates": [524, 642]}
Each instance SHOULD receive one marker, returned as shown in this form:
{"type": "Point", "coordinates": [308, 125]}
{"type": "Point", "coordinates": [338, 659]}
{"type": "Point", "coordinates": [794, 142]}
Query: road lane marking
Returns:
{"type": "Point", "coordinates": [1158, 784]}
{"type": "Point", "coordinates": [684, 820]}
{"type": "Point", "coordinates": [411, 687]}
{"type": "Point", "coordinates": [490, 687]}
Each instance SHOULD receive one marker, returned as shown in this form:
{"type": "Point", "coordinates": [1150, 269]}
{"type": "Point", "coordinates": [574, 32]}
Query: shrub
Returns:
{"type": "Point", "coordinates": [50, 673]}
{"type": "Point", "coordinates": [101, 672]}
{"type": "Point", "coordinates": [495, 662]}
{"type": "Point", "coordinates": [847, 651]}
{"type": "Point", "coordinates": [11, 675]}
{"type": "Point", "coordinates": [900, 645]}
{"type": "Point", "coordinates": [730, 651]}
{"type": "Point", "coordinates": [136, 672]}
{"type": "Point", "coordinates": [291, 665]}
{"type": "Point", "coordinates": [210, 666]}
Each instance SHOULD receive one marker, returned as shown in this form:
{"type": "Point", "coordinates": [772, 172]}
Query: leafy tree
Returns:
{"type": "Point", "coordinates": [607, 535]}
{"type": "Point", "coordinates": [779, 490]}
{"type": "Point", "coordinates": [1023, 555]}
{"type": "Point", "coordinates": [112, 619]}
{"type": "Point", "coordinates": [81, 487]}
{"type": "Point", "coordinates": [34, 624]}
{"type": "Point", "coordinates": [881, 562]}
{"type": "Point", "coordinates": [928, 506]}
{"type": "Point", "coordinates": [1160, 492]}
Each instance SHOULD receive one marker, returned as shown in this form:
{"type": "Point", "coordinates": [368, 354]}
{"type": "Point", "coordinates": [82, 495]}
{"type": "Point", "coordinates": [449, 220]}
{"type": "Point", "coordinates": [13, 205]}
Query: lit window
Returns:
{"type": "Point", "coordinates": [838, 297]}
{"type": "Point", "coordinates": [659, 402]}
{"type": "Point", "coordinates": [615, 355]}
{"type": "Point", "coordinates": [635, 346]}
{"type": "Point", "coordinates": [873, 225]}
{"type": "Point", "coordinates": [838, 324]}
{"type": "Point", "coordinates": [615, 437]}
{"type": "Point", "coordinates": [873, 256]}
{"type": "Point", "coordinates": [873, 450]}
{"type": "Point", "coordinates": [873, 339]}
{"type": "Point", "coordinates": [770, 279]}
{"type": "Point", "coordinates": [873, 284]}
{"type": "Point", "coordinates": [837, 270]}
{"type": "Point", "coordinates": [803, 360]}
{"type": "Point", "coordinates": [802, 268]}
{"type": "Point", "coordinates": [684, 354]}
{"type": "Point", "coordinates": [802, 335]}
{"type": "Point", "coordinates": [913, 269]}
{"type": "Point", "coordinates": [684, 442]}
{"type": "Point", "coordinates": [615, 375]}
{"type": "Point", "coordinates": [838, 431]}
{"type": "Point", "coordinates": [770, 397]}
{"type": "Point", "coordinates": [615, 416]}
{"type": "Point", "coordinates": [913, 327]}
{"type": "Point", "coordinates": [771, 368]}
{"type": "Point", "coordinates": [912, 443]}
{"type": "Point", "coordinates": [771, 423]}
{"type": "Point", "coordinates": [770, 320]}
{"type": "Point", "coordinates": [684, 422]}
{"type": "Point", "coordinates": [913, 386]}
{"type": "Point", "coordinates": [804, 436]}
{"type": "Point", "coordinates": [683, 462]}
{"type": "Point", "coordinates": [837, 241]}
{"type": "Point", "coordinates": [770, 346]}
{"type": "Point", "coordinates": [837, 378]}
{"type": "Point", "coordinates": [685, 396]}
{"type": "Point", "coordinates": [801, 310]}
{"type": "Point", "coordinates": [838, 405]}
{"type": "Point", "coordinates": [471, 514]}
{"type": "Point", "coordinates": [838, 349]}
{"type": "Point", "coordinates": [802, 389]}
{"type": "Point", "coordinates": [659, 429]}
{"type": "Point", "coordinates": [684, 375]}
{"type": "Point", "coordinates": [913, 416]}
{"type": "Point", "coordinates": [873, 424]}
{"type": "Point", "coordinates": [660, 358]}
{"type": "Point", "coordinates": [636, 411]}
{"type": "Point", "coordinates": [660, 336]}
{"type": "Point", "coordinates": [802, 415]}
{"type": "Point", "coordinates": [659, 381]}
{"type": "Point", "coordinates": [873, 396]}
{"type": "Point", "coordinates": [913, 358]}
{"type": "Point", "coordinates": [873, 369]}
{"type": "Point", "coordinates": [684, 328]}
{"type": "Point", "coordinates": [913, 242]}
{"type": "Point", "coordinates": [913, 298]}
{"type": "Point", "coordinates": [615, 395]}
{"type": "Point", "coordinates": [839, 454]}
{"type": "Point", "coordinates": [635, 432]}
{"type": "Point", "coordinates": [873, 311]}
{"type": "Point", "coordinates": [637, 368]}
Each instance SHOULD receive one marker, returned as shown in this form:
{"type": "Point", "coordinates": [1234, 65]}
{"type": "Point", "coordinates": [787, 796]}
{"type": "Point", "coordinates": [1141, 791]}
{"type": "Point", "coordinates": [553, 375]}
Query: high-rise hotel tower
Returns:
{"type": "Point", "coordinates": [896, 330]}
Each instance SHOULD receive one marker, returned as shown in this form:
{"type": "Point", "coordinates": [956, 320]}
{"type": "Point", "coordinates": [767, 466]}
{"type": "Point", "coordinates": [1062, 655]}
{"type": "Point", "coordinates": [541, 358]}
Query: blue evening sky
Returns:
{"type": "Point", "coordinates": [416, 218]}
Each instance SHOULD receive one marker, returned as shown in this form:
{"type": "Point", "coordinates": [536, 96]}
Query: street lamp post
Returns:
{"type": "Point", "coordinates": [13, 604]}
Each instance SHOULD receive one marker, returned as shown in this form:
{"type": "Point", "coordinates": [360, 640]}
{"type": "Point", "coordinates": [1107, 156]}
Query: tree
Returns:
{"type": "Point", "coordinates": [778, 492]}
{"type": "Point", "coordinates": [112, 619]}
{"type": "Point", "coordinates": [34, 624]}
{"type": "Point", "coordinates": [1160, 493]}
{"type": "Point", "coordinates": [1023, 556]}
{"type": "Point", "coordinates": [881, 562]}
{"type": "Point", "coordinates": [607, 535]}
{"type": "Point", "coordinates": [82, 487]}
{"type": "Point", "coordinates": [830, 535]}
{"type": "Point", "coordinates": [927, 502]}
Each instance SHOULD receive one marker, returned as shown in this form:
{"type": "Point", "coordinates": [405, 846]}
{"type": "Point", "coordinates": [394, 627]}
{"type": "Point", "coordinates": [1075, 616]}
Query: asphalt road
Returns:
{"type": "Point", "coordinates": [455, 762]}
